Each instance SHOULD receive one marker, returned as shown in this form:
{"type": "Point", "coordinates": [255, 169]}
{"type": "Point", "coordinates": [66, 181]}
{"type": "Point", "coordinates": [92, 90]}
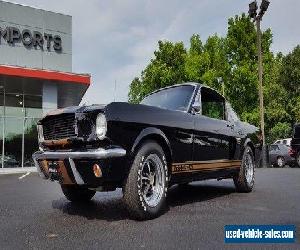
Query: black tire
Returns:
{"type": "Point", "coordinates": [136, 184]}
{"type": "Point", "coordinates": [77, 193]}
{"type": "Point", "coordinates": [280, 162]}
{"type": "Point", "coordinates": [241, 182]}
{"type": "Point", "coordinates": [298, 160]}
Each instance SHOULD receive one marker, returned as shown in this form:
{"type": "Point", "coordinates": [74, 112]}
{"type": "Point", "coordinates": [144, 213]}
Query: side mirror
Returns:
{"type": "Point", "coordinates": [196, 107]}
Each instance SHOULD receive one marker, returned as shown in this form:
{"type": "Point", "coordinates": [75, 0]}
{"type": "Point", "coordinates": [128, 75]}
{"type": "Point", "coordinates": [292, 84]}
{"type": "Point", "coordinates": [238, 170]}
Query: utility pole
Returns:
{"type": "Point", "coordinates": [260, 90]}
{"type": "Point", "coordinates": [257, 18]}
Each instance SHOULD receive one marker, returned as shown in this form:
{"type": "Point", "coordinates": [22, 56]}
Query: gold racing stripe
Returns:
{"type": "Point", "coordinates": [195, 166]}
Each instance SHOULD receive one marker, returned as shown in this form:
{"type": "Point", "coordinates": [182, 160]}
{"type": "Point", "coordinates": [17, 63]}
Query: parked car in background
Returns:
{"type": "Point", "coordinates": [286, 141]}
{"type": "Point", "coordinates": [295, 144]}
{"type": "Point", "coordinates": [10, 161]}
{"type": "Point", "coordinates": [280, 155]}
{"type": "Point", "coordinates": [176, 135]}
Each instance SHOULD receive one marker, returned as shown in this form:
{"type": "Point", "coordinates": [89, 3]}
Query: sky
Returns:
{"type": "Point", "coordinates": [113, 40]}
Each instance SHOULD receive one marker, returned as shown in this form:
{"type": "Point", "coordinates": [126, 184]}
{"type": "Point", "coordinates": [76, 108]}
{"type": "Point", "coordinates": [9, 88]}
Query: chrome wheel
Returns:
{"type": "Point", "coordinates": [152, 180]}
{"type": "Point", "coordinates": [244, 180]}
{"type": "Point", "coordinates": [249, 167]}
{"type": "Point", "coordinates": [280, 162]}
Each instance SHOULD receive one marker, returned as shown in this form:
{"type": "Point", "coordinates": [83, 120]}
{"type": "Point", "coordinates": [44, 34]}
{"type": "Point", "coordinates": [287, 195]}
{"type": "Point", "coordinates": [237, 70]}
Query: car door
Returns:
{"type": "Point", "coordinates": [213, 135]}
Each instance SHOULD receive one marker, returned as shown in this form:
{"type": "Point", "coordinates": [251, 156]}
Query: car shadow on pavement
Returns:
{"type": "Point", "coordinates": [110, 207]}
{"type": "Point", "coordinates": [100, 207]}
{"type": "Point", "coordinates": [180, 195]}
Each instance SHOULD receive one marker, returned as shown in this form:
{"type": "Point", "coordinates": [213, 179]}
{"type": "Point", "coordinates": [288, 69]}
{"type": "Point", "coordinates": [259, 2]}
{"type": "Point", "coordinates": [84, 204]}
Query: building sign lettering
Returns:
{"type": "Point", "coordinates": [29, 38]}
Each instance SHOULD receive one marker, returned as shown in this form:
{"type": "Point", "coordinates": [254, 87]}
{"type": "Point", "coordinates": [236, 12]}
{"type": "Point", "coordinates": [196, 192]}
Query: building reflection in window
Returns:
{"type": "Point", "coordinates": [19, 114]}
{"type": "Point", "coordinates": [30, 140]}
{"type": "Point", "coordinates": [13, 128]}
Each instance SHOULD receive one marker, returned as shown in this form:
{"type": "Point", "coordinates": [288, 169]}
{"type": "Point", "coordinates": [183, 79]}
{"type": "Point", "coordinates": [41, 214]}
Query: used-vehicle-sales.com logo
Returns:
{"type": "Point", "coordinates": [36, 39]}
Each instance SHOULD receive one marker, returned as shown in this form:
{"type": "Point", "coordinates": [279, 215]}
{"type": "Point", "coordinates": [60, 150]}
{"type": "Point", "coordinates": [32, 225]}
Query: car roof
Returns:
{"type": "Point", "coordinates": [194, 84]}
{"type": "Point", "coordinates": [280, 145]}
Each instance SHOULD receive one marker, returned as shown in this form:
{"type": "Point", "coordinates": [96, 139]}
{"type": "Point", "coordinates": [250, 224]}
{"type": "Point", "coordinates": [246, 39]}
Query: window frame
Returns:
{"type": "Point", "coordinates": [199, 95]}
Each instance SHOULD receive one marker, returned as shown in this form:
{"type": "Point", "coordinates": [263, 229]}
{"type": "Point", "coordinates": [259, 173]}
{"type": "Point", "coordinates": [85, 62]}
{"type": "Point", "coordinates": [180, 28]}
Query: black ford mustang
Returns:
{"type": "Point", "coordinates": [176, 135]}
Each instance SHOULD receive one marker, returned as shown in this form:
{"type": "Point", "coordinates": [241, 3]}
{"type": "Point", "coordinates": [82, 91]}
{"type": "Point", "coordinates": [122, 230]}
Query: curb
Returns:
{"type": "Point", "coordinates": [4, 171]}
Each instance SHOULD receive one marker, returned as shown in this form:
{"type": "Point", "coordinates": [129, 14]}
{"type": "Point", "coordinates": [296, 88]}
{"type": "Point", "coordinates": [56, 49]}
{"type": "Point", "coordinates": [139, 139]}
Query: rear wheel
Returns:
{"type": "Point", "coordinates": [77, 193]}
{"type": "Point", "coordinates": [145, 189]}
{"type": "Point", "coordinates": [280, 162]}
{"type": "Point", "coordinates": [244, 181]}
{"type": "Point", "coordinates": [298, 159]}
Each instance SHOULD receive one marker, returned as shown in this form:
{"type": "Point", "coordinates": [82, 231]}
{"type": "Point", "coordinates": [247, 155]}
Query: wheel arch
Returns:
{"type": "Point", "coordinates": [249, 143]}
{"type": "Point", "coordinates": [156, 135]}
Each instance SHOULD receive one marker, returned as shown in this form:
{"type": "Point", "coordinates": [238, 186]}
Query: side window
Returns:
{"type": "Point", "coordinates": [230, 113]}
{"type": "Point", "coordinates": [213, 104]}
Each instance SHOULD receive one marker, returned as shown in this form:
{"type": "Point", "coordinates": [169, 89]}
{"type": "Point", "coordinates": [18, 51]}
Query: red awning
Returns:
{"type": "Point", "coordinates": [45, 74]}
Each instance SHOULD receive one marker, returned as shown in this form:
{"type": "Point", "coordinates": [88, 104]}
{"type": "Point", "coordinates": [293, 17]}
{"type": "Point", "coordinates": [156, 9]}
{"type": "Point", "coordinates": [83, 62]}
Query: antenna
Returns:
{"type": "Point", "coordinates": [115, 93]}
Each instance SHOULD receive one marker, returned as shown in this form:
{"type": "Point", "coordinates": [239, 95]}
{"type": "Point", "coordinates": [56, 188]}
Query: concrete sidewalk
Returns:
{"type": "Point", "coordinates": [17, 170]}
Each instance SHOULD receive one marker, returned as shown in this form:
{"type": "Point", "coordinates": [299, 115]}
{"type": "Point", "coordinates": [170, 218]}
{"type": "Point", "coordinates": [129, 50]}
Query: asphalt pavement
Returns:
{"type": "Point", "coordinates": [35, 215]}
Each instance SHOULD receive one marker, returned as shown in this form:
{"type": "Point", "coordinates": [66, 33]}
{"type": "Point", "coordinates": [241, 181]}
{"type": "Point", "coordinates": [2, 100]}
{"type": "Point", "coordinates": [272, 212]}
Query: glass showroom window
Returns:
{"type": "Point", "coordinates": [30, 140]}
{"type": "Point", "coordinates": [13, 134]}
{"type": "Point", "coordinates": [18, 136]}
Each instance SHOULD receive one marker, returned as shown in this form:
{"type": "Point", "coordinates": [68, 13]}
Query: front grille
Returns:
{"type": "Point", "coordinates": [59, 127]}
{"type": "Point", "coordinates": [85, 126]}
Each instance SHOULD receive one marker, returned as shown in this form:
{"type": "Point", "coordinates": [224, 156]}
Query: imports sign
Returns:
{"type": "Point", "coordinates": [13, 35]}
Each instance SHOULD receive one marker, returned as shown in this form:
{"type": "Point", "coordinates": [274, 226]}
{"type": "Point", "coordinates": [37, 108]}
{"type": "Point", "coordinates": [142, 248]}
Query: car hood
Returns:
{"type": "Point", "coordinates": [111, 109]}
{"type": "Point", "coordinates": [77, 109]}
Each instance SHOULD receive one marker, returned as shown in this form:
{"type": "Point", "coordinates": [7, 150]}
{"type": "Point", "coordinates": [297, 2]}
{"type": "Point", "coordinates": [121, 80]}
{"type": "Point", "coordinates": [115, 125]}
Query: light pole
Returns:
{"type": "Point", "coordinates": [257, 18]}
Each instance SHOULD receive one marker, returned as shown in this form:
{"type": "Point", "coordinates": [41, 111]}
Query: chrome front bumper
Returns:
{"type": "Point", "coordinates": [74, 155]}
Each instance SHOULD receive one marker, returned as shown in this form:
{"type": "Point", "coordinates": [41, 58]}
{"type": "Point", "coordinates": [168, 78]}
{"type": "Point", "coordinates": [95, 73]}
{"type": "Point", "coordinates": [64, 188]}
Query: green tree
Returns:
{"type": "Point", "coordinates": [196, 62]}
{"type": "Point", "coordinates": [234, 58]}
{"type": "Point", "coordinates": [135, 91]}
{"type": "Point", "coordinates": [166, 68]}
{"type": "Point", "coordinates": [275, 100]}
{"type": "Point", "coordinates": [242, 88]}
{"type": "Point", "coordinates": [280, 130]}
{"type": "Point", "coordinates": [290, 80]}
{"type": "Point", "coordinates": [205, 63]}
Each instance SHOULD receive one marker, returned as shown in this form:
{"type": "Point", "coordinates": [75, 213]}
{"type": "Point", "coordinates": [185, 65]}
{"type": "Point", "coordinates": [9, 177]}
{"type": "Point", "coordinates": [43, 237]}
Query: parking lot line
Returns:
{"type": "Point", "coordinates": [24, 175]}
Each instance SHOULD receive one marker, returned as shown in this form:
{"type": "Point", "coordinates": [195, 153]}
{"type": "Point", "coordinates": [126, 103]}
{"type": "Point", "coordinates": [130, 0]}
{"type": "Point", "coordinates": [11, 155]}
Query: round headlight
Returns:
{"type": "Point", "coordinates": [101, 126]}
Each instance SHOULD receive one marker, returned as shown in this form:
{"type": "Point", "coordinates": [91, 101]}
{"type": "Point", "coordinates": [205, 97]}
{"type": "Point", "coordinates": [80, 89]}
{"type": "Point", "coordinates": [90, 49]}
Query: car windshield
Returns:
{"type": "Point", "coordinates": [175, 98]}
{"type": "Point", "coordinates": [273, 147]}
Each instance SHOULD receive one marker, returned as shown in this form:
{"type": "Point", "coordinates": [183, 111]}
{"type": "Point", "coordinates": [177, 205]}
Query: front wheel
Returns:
{"type": "Point", "coordinates": [145, 189]}
{"type": "Point", "coordinates": [77, 193]}
{"type": "Point", "coordinates": [244, 181]}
